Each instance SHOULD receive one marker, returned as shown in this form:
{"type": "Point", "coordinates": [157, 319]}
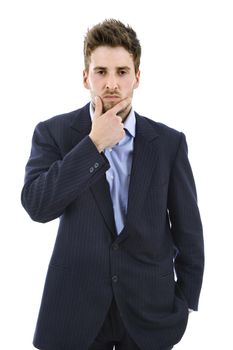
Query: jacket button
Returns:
{"type": "Point", "coordinates": [91, 169]}
{"type": "Point", "coordinates": [115, 246]}
{"type": "Point", "coordinates": [114, 279]}
{"type": "Point", "coordinates": [96, 165]}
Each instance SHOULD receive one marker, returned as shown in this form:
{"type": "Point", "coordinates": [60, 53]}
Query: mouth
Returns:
{"type": "Point", "coordinates": [111, 97]}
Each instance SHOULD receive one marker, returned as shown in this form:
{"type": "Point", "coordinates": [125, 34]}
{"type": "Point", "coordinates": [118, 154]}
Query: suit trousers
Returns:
{"type": "Point", "coordinates": [113, 333]}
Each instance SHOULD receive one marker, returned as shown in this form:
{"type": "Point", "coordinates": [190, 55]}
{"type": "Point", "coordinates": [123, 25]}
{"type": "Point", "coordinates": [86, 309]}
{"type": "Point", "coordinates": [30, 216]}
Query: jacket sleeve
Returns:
{"type": "Point", "coordinates": [52, 183]}
{"type": "Point", "coordinates": [186, 227]}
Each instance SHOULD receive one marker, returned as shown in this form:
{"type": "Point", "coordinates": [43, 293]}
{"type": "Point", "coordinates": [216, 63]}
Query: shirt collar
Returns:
{"type": "Point", "coordinates": [129, 123]}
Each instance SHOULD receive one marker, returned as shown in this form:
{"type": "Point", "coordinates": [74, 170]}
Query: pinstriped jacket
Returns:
{"type": "Point", "coordinates": [90, 264]}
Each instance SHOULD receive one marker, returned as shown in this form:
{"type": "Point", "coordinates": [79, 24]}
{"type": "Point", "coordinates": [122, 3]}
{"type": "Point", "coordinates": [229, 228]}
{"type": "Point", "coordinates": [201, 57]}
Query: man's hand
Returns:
{"type": "Point", "coordinates": [108, 129]}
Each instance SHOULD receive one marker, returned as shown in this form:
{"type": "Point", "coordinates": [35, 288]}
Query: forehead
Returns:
{"type": "Point", "coordinates": [106, 56]}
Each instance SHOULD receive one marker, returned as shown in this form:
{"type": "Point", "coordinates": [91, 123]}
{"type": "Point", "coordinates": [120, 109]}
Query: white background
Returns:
{"type": "Point", "coordinates": [186, 82]}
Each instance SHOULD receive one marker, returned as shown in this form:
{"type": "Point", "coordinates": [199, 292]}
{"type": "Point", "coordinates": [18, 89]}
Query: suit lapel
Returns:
{"type": "Point", "coordinates": [143, 163]}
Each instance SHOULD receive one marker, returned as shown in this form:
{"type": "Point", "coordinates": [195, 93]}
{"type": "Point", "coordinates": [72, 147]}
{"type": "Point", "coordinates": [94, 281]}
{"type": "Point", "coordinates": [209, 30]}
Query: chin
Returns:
{"type": "Point", "coordinates": [109, 105]}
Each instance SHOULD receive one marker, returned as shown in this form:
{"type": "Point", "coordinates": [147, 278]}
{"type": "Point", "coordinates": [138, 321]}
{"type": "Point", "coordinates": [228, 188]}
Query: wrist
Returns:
{"type": "Point", "coordinates": [99, 147]}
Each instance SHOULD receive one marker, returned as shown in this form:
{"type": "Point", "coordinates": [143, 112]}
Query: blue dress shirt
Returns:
{"type": "Point", "coordinates": [118, 175]}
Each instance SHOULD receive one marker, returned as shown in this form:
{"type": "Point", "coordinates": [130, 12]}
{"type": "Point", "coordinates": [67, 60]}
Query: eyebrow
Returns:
{"type": "Point", "coordinates": [118, 68]}
{"type": "Point", "coordinates": [124, 68]}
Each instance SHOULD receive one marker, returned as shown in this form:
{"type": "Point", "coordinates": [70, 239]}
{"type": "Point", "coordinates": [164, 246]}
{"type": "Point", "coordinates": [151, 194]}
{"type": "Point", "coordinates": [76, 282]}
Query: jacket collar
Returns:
{"type": "Point", "coordinates": [82, 124]}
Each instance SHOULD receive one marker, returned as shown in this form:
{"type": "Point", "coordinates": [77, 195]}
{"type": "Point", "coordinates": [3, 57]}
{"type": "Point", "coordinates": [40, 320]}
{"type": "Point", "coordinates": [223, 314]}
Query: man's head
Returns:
{"type": "Point", "coordinates": [112, 58]}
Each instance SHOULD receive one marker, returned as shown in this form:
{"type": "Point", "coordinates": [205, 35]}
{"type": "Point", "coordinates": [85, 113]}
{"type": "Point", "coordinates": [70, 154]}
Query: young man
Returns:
{"type": "Point", "coordinates": [123, 189]}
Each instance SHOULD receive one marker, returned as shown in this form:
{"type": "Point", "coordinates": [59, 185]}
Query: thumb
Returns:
{"type": "Point", "coordinates": [98, 107]}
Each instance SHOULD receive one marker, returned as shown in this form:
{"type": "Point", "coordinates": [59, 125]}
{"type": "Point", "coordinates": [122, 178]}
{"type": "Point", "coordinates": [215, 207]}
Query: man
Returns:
{"type": "Point", "coordinates": [123, 189]}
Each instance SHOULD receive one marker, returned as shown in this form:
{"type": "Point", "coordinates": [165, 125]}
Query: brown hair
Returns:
{"type": "Point", "coordinates": [112, 33]}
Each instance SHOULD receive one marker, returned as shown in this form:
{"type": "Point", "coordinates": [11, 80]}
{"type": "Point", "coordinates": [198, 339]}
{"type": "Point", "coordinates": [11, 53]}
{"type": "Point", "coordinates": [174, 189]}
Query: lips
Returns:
{"type": "Point", "coordinates": [111, 96]}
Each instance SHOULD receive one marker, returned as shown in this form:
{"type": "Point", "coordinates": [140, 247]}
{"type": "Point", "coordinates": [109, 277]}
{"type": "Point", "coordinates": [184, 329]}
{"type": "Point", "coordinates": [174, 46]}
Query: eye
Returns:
{"type": "Point", "coordinates": [101, 72]}
{"type": "Point", "coordinates": [122, 72]}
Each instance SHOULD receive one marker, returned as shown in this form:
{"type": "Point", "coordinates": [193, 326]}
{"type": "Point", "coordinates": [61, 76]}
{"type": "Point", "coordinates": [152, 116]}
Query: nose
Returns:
{"type": "Point", "coordinates": [111, 83]}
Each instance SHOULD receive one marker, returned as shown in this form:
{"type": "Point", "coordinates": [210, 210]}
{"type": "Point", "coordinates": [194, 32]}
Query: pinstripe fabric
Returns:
{"type": "Point", "coordinates": [66, 178]}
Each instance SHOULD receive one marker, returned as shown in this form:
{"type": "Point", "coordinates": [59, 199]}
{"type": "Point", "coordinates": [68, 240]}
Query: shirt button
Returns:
{"type": "Point", "coordinates": [91, 169]}
{"type": "Point", "coordinates": [96, 165]}
{"type": "Point", "coordinates": [114, 279]}
{"type": "Point", "coordinates": [115, 246]}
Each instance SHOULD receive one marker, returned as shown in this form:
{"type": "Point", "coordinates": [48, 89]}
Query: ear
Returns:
{"type": "Point", "coordinates": [137, 79]}
{"type": "Point", "coordinates": [85, 79]}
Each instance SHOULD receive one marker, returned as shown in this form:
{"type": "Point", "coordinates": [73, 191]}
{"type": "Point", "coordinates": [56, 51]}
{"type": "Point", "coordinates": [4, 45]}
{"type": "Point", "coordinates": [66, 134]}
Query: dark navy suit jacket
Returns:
{"type": "Point", "coordinates": [90, 264]}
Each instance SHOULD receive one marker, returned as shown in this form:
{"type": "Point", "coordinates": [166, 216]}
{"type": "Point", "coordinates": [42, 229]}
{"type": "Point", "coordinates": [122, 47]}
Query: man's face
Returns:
{"type": "Point", "coordinates": [111, 75]}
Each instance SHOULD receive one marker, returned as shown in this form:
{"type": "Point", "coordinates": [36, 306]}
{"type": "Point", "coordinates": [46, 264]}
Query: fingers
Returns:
{"type": "Point", "coordinates": [121, 106]}
{"type": "Point", "coordinates": [98, 107]}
